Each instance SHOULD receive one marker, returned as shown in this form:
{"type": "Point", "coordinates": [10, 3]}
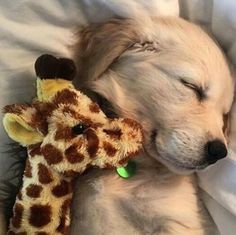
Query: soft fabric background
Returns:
{"type": "Point", "coordinates": [29, 28]}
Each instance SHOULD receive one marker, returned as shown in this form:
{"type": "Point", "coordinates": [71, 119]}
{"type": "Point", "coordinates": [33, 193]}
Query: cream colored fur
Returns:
{"type": "Point", "coordinates": [146, 85]}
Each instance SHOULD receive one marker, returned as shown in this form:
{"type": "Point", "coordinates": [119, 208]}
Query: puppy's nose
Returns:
{"type": "Point", "coordinates": [215, 150]}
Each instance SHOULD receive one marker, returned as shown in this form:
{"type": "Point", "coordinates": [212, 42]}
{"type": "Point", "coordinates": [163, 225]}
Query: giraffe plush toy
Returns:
{"type": "Point", "coordinates": [65, 133]}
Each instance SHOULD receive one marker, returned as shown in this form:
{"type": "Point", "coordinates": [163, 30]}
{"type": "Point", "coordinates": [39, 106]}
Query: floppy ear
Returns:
{"type": "Point", "coordinates": [20, 123]}
{"type": "Point", "coordinates": [100, 44]}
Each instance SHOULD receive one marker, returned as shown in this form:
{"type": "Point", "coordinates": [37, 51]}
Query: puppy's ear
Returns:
{"type": "Point", "coordinates": [100, 44]}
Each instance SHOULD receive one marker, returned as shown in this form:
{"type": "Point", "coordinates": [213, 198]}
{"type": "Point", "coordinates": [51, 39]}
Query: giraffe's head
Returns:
{"type": "Point", "coordinates": [71, 131]}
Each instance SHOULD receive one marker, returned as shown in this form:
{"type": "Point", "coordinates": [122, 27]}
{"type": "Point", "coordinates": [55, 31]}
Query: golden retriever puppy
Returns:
{"type": "Point", "coordinates": [170, 76]}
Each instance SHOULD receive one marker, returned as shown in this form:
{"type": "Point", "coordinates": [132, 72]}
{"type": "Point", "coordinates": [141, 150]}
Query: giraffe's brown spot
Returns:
{"type": "Point", "coordinates": [114, 134]}
{"type": "Point", "coordinates": [42, 233]}
{"type": "Point", "coordinates": [81, 118]}
{"type": "Point", "coordinates": [34, 190]}
{"type": "Point", "coordinates": [64, 133]}
{"type": "Point", "coordinates": [133, 124]}
{"type": "Point", "coordinates": [17, 217]}
{"type": "Point", "coordinates": [72, 155]}
{"type": "Point", "coordinates": [70, 111]}
{"type": "Point", "coordinates": [62, 189]}
{"type": "Point", "coordinates": [34, 149]}
{"type": "Point", "coordinates": [44, 174]}
{"type": "Point", "coordinates": [89, 122]}
{"type": "Point", "coordinates": [40, 215]}
{"type": "Point", "coordinates": [109, 149]}
{"type": "Point", "coordinates": [19, 196]}
{"type": "Point", "coordinates": [93, 107]}
{"type": "Point", "coordinates": [40, 122]}
{"type": "Point", "coordinates": [28, 169]}
{"type": "Point", "coordinates": [65, 211]}
{"type": "Point", "coordinates": [70, 173]}
{"type": "Point", "coordinates": [65, 96]}
{"type": "Point", "coordinates": [51, 154]}
{"type": "Point", "coordinates": [93, 142]}
{"type": "Point", "coordinates": [44, 110]}
{"type": "Point", "coordinates": [16, 108]}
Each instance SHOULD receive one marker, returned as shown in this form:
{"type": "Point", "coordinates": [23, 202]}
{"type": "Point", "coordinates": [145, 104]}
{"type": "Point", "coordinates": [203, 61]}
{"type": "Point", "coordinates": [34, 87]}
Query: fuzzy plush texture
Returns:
{"type": "Point", "coordinates": [65, 133]}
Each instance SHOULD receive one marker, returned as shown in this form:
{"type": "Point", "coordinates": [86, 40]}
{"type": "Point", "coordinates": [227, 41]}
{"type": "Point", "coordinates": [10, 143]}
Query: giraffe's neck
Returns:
{"type": "Point", "coordinates": [43, 204]}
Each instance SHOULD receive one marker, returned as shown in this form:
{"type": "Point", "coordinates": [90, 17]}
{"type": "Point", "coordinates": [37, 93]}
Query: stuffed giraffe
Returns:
{"type": "Point", "coordinates": [65, 133]}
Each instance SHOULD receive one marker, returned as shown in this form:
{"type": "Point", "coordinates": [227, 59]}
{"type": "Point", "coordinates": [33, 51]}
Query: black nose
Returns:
{"type": "Point", "coordinates": [215, 150]}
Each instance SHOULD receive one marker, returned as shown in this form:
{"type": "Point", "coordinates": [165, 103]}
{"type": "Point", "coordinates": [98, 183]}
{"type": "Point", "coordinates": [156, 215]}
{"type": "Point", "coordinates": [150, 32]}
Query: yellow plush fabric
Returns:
{"type": "Point", "coordinates": [46, 88]}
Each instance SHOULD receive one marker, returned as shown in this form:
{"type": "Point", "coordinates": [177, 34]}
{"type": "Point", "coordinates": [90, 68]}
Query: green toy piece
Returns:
{"type": "Point", "coordinates": [127, 171]}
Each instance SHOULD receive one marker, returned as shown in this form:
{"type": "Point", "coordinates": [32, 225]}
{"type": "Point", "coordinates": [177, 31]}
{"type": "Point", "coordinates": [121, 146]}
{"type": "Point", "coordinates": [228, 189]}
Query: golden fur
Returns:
{"type": "Point", "coordinates": [149, 70]}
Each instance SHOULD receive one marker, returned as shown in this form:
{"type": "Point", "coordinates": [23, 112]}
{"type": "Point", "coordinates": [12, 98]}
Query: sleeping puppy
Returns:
{"type": "Point", "coordinates": [171, 77]}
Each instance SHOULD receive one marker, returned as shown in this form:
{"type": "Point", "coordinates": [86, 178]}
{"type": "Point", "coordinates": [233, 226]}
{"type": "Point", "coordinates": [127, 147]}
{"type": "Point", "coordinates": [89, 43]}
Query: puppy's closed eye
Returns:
{"type": "Point", "coordinates": [197, 89]}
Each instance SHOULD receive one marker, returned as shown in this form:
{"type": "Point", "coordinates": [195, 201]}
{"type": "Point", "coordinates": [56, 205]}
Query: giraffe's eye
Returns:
{"type": "Point", "coordinates": [79, 129]}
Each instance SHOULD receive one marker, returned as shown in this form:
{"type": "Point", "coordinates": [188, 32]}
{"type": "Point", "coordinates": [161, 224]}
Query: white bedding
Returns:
{"type": "Point", "coordinates": [29, 28]}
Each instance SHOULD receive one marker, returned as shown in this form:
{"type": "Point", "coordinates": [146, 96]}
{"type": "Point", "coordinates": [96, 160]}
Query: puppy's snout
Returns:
{"type": "Point", "coordinates": [215, 150]}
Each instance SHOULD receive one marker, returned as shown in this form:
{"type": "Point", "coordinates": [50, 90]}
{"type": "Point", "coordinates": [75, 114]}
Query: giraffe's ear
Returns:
{"type": "Point", "coordinates": [19, 124]}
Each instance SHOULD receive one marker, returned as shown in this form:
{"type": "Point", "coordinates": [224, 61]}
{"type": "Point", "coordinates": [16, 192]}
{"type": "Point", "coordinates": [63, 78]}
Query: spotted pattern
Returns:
{"type": "Point", "coordinates": [114, 134]}
{"type": "Point", "coordinates": [131, 123]}
{"type": "Point", "coordinates": [65, 96]}
{"type": "Point", "coordinates": [94, 108]}
{"type": "Point", "coordinates": [34, 190]}
{"type": "Point", "coordinates": [62, 189]}
{"type": "Point", "coordinates": [44, 174]}
{"type": "Point", "coordinates": [35, 150]}
{"type": "Point", "coordinates": [72, 154]}
{"type": "Point", "coordinates": [40, 215]}
{"type": "Point", "coordinates": [28, 169]}
{"type": "Point", "coordinates": [51, 154]}
{"type": "Point", "coordinates": [93, 142]}
{"type": "Point", "coordinates": [64, 133]}
{"type": "Point", "coordinates": [16, 108]}
{"type": "Point", "coordinates": [17, 215]}
{"type": "Point", "coordinates": [109, 149]}
{"type": "Point", "coordinates": [65, 210]}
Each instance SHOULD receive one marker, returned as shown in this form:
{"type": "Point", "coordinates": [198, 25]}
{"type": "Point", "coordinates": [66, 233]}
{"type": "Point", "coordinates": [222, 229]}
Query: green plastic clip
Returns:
{"type": "Point", "coordinates": [127, 171]}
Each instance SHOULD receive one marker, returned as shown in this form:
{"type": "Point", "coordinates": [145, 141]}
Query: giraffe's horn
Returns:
{"type": "Point", "coordinates": [54, 74]}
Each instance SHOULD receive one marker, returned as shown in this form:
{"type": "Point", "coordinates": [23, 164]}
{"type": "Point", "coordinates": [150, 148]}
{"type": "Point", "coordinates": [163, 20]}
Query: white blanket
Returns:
{"type": "Point", "coordinates": [29, 28]}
